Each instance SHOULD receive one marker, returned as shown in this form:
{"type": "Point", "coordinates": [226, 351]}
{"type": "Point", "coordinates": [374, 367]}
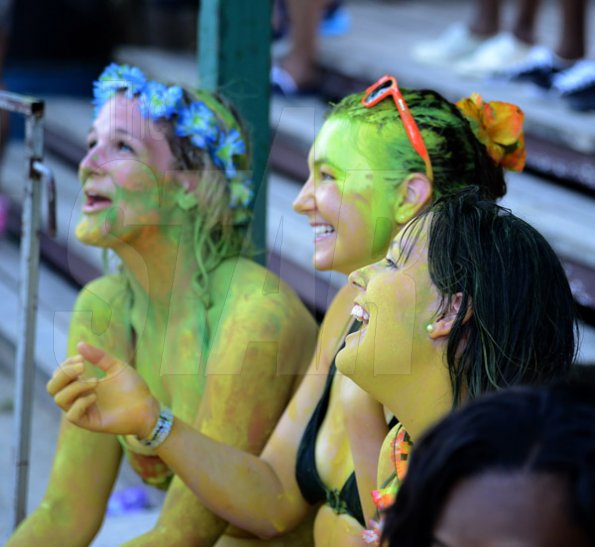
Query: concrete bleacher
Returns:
{"type": "Point", "coordinates": [383, 34]}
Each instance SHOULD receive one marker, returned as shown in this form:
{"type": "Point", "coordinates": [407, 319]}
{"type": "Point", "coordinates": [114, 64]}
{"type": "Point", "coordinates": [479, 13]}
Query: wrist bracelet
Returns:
{"type": "Point", "coordinates": [161, 430]}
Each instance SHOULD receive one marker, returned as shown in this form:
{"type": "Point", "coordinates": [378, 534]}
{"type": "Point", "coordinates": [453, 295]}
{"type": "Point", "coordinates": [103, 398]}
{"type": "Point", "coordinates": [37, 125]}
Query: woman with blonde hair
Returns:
{"type": "Point", "coordinates": [219, 340]}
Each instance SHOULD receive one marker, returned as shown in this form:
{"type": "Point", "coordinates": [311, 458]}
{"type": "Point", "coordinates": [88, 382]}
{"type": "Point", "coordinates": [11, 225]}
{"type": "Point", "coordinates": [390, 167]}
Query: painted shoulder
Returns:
{"type": "Point", "coordinates": [251, 283]}
{"type": "Point", "coordinates": [107, 289]}
{"type": "Point", "coordinates": [253, 297]}
{"type": "Point", "coordinates": [103, 304]}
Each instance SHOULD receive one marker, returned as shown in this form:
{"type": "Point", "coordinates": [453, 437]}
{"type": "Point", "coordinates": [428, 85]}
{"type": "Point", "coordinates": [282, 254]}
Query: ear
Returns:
{"type": "Point", "coordinates": [443, 325]}
{"type": "Point", "coordinates": [416, 190]}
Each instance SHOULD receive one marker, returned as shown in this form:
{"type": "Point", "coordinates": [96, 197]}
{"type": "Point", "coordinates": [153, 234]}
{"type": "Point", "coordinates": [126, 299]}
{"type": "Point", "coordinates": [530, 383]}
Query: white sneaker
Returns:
{"type": "Point", "coordinates": [455, 42]}
{"type": "Point", "coordinates": [575, 78]}
{"type": "Point", "coordinates": [494, 56]}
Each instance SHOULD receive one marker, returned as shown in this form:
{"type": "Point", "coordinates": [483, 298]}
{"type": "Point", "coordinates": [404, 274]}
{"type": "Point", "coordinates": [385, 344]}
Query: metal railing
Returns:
{"type": "Point", "coordinates": [36, 175]}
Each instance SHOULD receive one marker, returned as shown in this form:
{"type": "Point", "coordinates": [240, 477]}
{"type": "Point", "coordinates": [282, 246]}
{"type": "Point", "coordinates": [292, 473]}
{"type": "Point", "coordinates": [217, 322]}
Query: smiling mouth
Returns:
{"type": "Point", "coordinates": [95, 202]}
{"type": "Point", "coordinates": [360, 314]}
{"type": "Point", "coordinates": [322, 231]}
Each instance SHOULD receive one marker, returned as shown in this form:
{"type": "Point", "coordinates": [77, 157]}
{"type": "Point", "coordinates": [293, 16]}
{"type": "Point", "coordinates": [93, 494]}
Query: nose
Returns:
{"type": "Point", "coordinates": [358, 278]}
{"type": "Point", "coordinates": [361, 278]}
{"type": "Point", "coordinates": [90, 164]}
{"type": "Point", "coordinates": [305, 201]}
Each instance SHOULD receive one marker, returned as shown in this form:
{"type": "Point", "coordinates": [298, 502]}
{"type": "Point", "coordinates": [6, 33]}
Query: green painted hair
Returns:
{"type": "Point", "coordinates": [458, 158]}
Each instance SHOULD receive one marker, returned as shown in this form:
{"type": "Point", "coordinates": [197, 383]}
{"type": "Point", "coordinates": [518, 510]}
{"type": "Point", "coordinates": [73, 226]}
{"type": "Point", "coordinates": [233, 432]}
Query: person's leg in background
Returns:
{"type": "Point", "coordinates": [576, 85]}
{"type": "Point", "coordinates": [543, 65]}
{"type": "Point", "coordinates": [524, 26]}
{"type": "Point", "coordinates": [461, 41]}
{"type": "Point", "coordinates": [571, 44]}
{"type": "Point", "coordinates": [297, 71]}
{"type": "Point", "coordinates": [304, 18]}
{"type": "Point", "coordinates": [485, 21]}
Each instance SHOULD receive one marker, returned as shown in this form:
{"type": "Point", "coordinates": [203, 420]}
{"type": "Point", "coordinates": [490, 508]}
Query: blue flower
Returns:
{"type": "Point", "coordinates": [159, 101]}
{"type": "Point", "coordinates": [101, 95]}
{"type": "Point", "coordinates": [124, 76]}
{"type": "Point", "coordinates": [115, 78]}
{"type": "Point", "coordinates": [198, 122]}
{"type": "Point", "coordinates": [229, 145]}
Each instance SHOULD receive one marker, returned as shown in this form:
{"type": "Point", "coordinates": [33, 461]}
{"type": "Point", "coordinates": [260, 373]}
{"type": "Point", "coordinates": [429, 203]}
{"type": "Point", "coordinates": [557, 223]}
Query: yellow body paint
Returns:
{"type": "Point", "coordinates": [355, 191]}
{"type": "Point", "coordinates": [215, 365]}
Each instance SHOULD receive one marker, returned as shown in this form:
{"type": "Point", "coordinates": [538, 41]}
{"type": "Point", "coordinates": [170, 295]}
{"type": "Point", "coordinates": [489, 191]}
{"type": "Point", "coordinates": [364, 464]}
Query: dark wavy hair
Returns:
{"type": "Point", "coordinates": [528, 430]}
{"type": "Point", "coordinates": [458, 158]}
{"type": "Point", "coordinates": [523, 326]}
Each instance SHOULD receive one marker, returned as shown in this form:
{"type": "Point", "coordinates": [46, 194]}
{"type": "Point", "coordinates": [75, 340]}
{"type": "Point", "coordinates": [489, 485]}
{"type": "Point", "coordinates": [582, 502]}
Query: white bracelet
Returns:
{"type": "Point", "coordinates": [161, 430]}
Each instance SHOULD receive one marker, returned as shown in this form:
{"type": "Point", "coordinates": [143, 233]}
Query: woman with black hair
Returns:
{"type": "Point", "coordinates": [513, 468]}
{"type": "Point", "coordinates": [469, 299]}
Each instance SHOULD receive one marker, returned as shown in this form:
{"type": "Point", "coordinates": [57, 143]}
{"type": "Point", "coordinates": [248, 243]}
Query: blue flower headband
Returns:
{"type": "Point", "coordinates": [195, 121]}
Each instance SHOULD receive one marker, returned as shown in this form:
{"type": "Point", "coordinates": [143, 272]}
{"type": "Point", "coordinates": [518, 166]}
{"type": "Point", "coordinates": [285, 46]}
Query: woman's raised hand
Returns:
{"type": "Point", "coordinates": [119, 403]}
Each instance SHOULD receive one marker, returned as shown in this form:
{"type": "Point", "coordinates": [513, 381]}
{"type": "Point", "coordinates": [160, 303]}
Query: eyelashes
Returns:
{"type": "Point", "coordinates": [390, 263]}
{"type": "Point", "coordinates": [120, 146]}
{"type": "Point", "coordinates": [123, 146]}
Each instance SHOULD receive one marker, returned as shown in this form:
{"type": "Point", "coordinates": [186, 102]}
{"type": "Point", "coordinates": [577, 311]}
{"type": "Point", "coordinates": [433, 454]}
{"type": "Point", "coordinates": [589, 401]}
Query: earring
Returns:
{"type": "Point", "coordinates": [429, 328]}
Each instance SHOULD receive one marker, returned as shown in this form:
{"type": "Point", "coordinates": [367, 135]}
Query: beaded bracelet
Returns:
{"type": "Point", "coordinates": [161, 430]}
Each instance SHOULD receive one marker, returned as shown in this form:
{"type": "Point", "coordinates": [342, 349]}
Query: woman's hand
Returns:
{"type": "Point", "coordinates": [120, 403]}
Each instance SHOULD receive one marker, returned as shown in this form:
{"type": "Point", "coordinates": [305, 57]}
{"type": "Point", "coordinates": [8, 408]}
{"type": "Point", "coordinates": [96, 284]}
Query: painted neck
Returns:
{"type": "Point", "coordinates": [421, 398]}
{"type": "Point", "coordinates": [161, 264]}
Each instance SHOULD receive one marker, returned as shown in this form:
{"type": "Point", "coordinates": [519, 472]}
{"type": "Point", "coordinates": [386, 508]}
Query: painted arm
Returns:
{"type": "Point", "coordinates": [85, 463]}
{"type": "Point", "coordinates": [256, 494]}
{"type": "Point", "coordinates": [367, 429]}
{"type": "Point", "coordinates": [244, 396]}
{"type": "Point", "coordinates": [72, 509]}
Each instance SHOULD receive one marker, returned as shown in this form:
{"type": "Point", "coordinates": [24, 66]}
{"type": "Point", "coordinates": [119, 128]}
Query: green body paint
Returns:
{"type": "Point", "coordinates": [186, 311]}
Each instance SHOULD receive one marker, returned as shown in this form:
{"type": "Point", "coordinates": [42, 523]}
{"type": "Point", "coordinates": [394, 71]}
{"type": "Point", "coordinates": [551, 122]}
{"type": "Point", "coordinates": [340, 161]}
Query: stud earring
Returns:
{"type": "Point", "coordinates": [429, 328]}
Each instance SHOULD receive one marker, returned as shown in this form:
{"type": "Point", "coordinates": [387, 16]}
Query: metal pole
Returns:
{"type": "Point", "coordinates": [33, 110]}
{"type": "Point", "coordinates": [29, 274]}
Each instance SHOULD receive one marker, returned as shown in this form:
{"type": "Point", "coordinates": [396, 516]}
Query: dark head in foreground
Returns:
{"type": "Point", "coordinates": [517, 467]}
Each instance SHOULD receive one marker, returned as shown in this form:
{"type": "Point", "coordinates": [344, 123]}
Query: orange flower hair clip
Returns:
{"type": "Point", "coordinates": [499, 127]}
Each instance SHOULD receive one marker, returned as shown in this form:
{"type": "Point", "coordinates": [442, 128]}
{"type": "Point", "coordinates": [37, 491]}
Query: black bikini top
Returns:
{"type": "Point", "coordinates": [344, 501]}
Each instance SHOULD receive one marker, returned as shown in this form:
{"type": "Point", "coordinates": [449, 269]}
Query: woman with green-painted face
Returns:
{"type": "Point", "coordinates": [166, 187]}
{"type": "Point", "coordinates": [369, 175]}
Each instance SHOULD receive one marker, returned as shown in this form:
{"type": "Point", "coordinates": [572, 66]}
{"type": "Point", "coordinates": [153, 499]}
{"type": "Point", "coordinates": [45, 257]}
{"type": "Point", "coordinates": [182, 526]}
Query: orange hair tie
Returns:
{"type": "Point", "coordinates": [499, 127]}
